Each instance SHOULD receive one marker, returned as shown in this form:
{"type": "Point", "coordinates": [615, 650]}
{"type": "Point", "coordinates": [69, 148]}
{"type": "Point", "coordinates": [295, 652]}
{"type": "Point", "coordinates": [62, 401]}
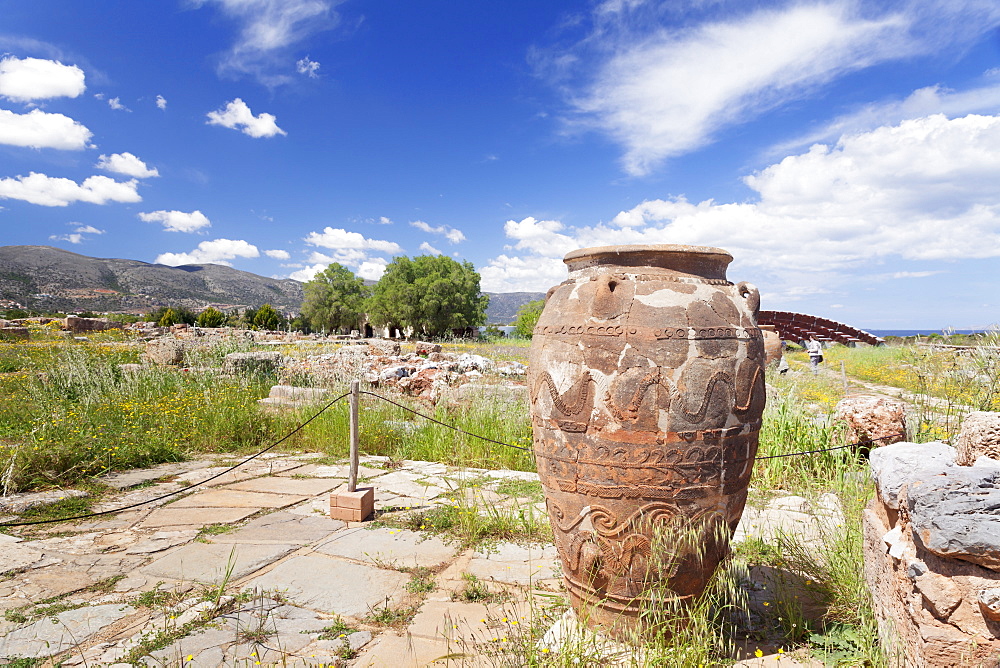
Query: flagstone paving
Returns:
{"type": "Point", "coordinates": [249, 569]}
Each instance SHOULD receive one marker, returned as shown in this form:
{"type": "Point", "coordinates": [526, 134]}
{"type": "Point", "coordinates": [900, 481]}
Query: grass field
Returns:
{"type": "Point", "coordinates": [69, 412]}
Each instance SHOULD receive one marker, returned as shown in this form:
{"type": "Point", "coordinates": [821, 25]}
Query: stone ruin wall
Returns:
{"type": "Point", "coordinates": [932, 549]}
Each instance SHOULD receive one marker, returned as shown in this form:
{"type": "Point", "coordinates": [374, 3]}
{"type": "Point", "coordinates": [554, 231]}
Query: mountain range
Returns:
{"type": "Point", "coordinates": [48, 279]}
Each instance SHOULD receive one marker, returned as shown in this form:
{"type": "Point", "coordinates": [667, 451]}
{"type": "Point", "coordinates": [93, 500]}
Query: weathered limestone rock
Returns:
{"type": "Point", "coordinates": [421, 383]}
{"type": "Point", "coordinates": [14, 334]}
{"type": "Point", "coordinates": [384, 347]}
{"type": "Point", "coordinates": [258, 362]}
{"type": "Point", "coordinates": [989, 603]}
{"type": "Point", "coordinates": [980, 436]}
{"type": "Point", "coordinates": [956, 514]}
{"type": "Point", "coordinates": [425, 348]}
{"type": "Point", "coordinates": [289, 396]}
{"type": "Point", "coordinates": [164, 351]}
{"type": "Point", "coordinates": [77, 324]}
{"type": "Point", "coordinates": [932, 610]}
{"type": "Point", "coordinates": [872, 421]}
{"type": "Point", "coordinates": [894, 466]}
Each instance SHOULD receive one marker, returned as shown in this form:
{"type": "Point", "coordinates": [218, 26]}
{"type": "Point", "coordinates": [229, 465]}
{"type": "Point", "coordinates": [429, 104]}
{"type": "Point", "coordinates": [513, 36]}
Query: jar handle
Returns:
{"type": "Point", "coordinates": [750, 292]}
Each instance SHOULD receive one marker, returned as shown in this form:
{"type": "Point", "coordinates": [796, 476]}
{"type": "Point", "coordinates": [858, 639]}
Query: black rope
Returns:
{"type": "Point", "coordinates": [838, 447]}
{"type": "Point", "coordinates": [183, 489]}
{"type": "Point", "coordinates": [443, 424]}
{"type": "Point", "coordinates": [406, 408]}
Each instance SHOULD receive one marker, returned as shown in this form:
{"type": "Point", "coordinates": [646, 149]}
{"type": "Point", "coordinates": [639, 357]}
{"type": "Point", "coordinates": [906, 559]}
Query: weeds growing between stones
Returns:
{"type": "Point", "coordinates": [68, 413]}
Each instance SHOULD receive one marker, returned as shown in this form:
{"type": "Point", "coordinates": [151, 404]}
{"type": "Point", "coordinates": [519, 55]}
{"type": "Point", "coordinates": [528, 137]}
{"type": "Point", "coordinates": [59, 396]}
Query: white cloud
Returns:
{"type": "Point", "coordinates": [449, 233]}
{"type": "Point", "coordinates": [308, 273]}
{"type": "Point", "coordinates": [372, 269]}
{"type": "Point", "coordinates": [922, 102]}
{"type": "Point", "coordinates": [349, 257]}
{"type": "Point", "coordinates": [218, 251]}
{"type": "Point", "coordinates": [532, 273]}
{"type": "Point", "coordinates": [177, 221]}
{"type": "Point", "coordinates": [349, 249]}
{"type": "Point", "coordinates": [161, 102]}
{"type": "Point", "coordinates": [384, 220]}
{"type": "Point", "coordinates": [278, 254]}
{"type": "Point", "coordinates": [307, 67]}
{"type": "Point", "coordinates": [28, 79]}
{"type": "Point", "coordinates": [427, 248]}
{"type": "Point", "coordinates": [915, 274]}
{"type": "Point", "coordinates": [922, 190]}
{"type": "Point", "coordinates": [268, 31]}
{"type": "Point", "coordinates": [116, 104]}
{"type": "Point", "coordinates": [50, 191]}
{"type": "Point", "coordinates": [237, 115]}
{"type": "Point", "coordinates": [127, 164]}
{"type": "Point", "coordinates": [73, 238]}
{"type": "Point", "coordinates": [337, 238]}
{"type": "Point", "coordinates": [662, 90]}
{"type": "Point", "coordinates": [88, 229]}
{"type": "Point", "coordinates": [77, 237]}
{"type": "Point", "coordinates": [39, 129]}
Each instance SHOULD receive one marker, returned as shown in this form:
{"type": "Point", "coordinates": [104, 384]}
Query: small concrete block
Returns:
{"type": "Point", "coordinates": [352, 506]}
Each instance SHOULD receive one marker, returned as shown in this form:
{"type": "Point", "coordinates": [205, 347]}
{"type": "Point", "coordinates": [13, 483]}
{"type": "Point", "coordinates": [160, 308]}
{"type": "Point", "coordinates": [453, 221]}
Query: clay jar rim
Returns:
{"type": "Point", "coordinates": [702, 261]}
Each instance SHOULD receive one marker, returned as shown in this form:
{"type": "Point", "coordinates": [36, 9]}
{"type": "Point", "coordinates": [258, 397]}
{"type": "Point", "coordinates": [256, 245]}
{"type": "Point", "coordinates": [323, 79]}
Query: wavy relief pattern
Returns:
{"type": "Point", "coordinates": [573, 401]}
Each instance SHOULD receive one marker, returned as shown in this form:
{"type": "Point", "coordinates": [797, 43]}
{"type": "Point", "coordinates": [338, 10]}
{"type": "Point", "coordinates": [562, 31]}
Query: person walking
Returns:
{"type": "Point", "coordinates": [815, 351]}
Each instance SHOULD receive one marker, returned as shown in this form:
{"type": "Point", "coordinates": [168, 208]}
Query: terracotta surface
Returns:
{"type": "Point", "coordinates": [772, 344]}
{"type": "Point", "coordinates": [647, 387]}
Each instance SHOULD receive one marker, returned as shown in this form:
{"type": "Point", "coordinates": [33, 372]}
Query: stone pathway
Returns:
{"type": "Point", "coordinates": [249, 569]}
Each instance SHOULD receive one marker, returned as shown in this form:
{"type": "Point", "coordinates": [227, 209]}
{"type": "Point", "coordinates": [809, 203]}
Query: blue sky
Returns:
{"type": "Point", "coordinates": [846, 153]}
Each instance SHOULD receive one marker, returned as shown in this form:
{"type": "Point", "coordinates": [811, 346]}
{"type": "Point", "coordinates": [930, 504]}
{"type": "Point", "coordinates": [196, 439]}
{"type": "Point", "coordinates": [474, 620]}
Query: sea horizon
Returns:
{"type": "Point", "coordinates": [923, 332]}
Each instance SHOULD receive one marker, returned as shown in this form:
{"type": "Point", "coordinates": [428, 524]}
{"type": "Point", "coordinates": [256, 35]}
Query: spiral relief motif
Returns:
{"type": "Point", "coordinates": [656, 428]}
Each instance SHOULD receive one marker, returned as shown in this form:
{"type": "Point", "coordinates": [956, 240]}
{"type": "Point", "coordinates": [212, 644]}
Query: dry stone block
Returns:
{"type": "Point", "coordinates": [14, 334]}
{"type": "Point", "coordinates": [165, 351]}
{"type": "Point", "coordinates": [894, 466]}
{"type": "Point", "coordinates": [980, 437]}
{"type": "Point", "coordinates": [931, 544]}
{"type": "Point", "coordinates": [872, 421]}
{"type": "Point", "coordinates": [425, 348]}
{"type": "Point", "coordinates": [77, 324]}
{"type": "Point", "coordinates": [245, 363]}
{"type": "Point", "coordinates": [956, 514]}
{"type": "Point", "coordinates": [384, 347]}
{"type": "Point", "coordinates": [989, 603]}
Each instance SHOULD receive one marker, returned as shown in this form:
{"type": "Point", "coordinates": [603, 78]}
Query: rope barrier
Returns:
{"type": "Point", "coordinates": [395, 403]}
{"type": "Point", "coordinates": [443, 424]}
{"type": "Point", "coordinates": [183, 489]}
{"type": "Point", "coordinates": [838, 447]}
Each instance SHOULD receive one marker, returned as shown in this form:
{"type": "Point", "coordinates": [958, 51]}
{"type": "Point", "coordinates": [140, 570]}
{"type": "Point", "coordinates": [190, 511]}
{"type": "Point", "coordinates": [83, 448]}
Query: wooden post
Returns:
{"type": "Point", "coordinates": [352, 481]}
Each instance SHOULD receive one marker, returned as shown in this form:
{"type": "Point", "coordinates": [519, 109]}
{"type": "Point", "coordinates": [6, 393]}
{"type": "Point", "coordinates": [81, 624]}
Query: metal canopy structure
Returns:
{"type": "Point", "coordinates": [800, 326]}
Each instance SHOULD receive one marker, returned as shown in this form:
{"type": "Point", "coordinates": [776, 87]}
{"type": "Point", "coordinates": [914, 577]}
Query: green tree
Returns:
{"type": "Point", "coordinates": [527, 318]}
{"type": "Point", "coordinates": [171, 315]}
{"type": "Point", "coordinates": [433, 294]}
{"type": "Point", "coordinates": [168, 317]}
{"type": "Point", "coordinates": [211, 317]}
{"type": "Point", "coordinates": [267, 317]}
{"type": "Point", "coordinates": [335, 299]}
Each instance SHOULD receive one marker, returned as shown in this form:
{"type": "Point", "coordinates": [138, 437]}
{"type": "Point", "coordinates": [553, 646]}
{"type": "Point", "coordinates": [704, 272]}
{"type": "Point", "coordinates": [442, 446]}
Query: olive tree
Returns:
{"type": "Point", "coordinates": [433, 294]}
{"type": "Point", "coordinates": [334, 299]}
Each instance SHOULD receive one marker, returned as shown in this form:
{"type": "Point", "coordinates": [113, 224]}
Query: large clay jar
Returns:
{"type": "Point", "coordinates": [647, 387]}
{"type": "Point", "coordinates": [772, 345]}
